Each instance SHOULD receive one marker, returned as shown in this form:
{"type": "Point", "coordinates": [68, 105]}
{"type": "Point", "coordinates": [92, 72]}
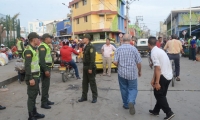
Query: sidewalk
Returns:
{"type": "Point", "coordinates": [8, 73]}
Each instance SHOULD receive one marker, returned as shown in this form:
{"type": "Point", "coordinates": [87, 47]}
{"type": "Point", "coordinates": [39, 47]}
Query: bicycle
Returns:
{"type": "Point", "coordinates": [173, 72]}
{"type": "Point", "coordinates": [66, 71]}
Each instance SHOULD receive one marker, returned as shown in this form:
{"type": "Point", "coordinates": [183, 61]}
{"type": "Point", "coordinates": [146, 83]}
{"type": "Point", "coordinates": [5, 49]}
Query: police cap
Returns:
{"type": "Point", "coordinates": [86, 36]}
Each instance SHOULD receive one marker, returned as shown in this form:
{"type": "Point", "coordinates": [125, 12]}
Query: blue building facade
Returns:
{"type": "Point", "coordinates": [64, 28]}
{"type": "Point", "coordinates": [179, 20]}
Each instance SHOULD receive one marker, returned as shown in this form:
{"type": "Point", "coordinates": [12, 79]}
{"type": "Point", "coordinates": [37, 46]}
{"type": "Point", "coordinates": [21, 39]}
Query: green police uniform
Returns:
{"type": "Point", "coordinates": [32, 69]}
{"type": "Point", "coordinates": [20, 48]}
{"type": "Point", "coordinates": [89, 64]}
{"type": "Point", "coordinates": [45, 64]}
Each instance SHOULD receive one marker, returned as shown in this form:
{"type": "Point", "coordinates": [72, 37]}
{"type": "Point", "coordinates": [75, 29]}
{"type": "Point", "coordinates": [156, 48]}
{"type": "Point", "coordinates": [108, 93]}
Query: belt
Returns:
{"type": "Point", "coordinates": [49, 64]}
{"type": "Point", "coordinates": [36, 73]}
{"type": "Point", "coordinates": [173, 53]}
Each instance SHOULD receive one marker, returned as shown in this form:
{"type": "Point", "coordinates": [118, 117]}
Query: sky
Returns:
{"type": "Point", "coordinates": [153, 11]}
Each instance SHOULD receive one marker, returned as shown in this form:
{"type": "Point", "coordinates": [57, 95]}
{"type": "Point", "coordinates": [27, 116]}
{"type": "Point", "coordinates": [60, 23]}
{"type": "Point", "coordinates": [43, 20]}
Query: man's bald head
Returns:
{"type": "Point", "coordinates": [126, 38]}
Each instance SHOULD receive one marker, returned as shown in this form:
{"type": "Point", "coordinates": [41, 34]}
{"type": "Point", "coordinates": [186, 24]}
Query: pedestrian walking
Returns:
{"type": "Point", "coordinates": [190, 49]}
{"type": "Point", "coordinates": [107, 53]}
{"type": "Point", "coordinates": [161, 79]}
{"type": "Point", "coordinates": [198, 45]}
{"type": "Point", "coordinates": [46, 63]}
{"type": "Point", "coordinates": [89, 70]}
{"type": "Point", "coordinates": [159, 42]}
{"type": "Point", "coordinates": [32, 75]}
{"type": "Point", "coordinates": [174, 48]}
{"type": "Point", "coordinates": [20, 47]}
{"type": "Point", "coordinates": [193, 48]}
{"type": "Point", "coordinates": [128, 60]}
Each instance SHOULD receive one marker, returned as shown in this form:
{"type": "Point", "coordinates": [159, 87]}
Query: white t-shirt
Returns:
{"type": "Point", "coordinates": [160, 58]}
{"type": "Point", "coordinates": [108, 49]}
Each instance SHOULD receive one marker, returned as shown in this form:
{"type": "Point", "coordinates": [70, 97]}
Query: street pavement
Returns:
{"type": "Point", "coordinates": [183, 98]}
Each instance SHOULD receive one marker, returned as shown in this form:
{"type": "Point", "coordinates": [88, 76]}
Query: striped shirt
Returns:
{"type": "Point", "coordinates": [127, 57]}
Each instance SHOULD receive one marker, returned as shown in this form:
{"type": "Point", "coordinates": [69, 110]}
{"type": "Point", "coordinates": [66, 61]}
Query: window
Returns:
{"type": "Point", "coordinates": [85, 19]}
{"type": "Point", "coordinates": [76, 5]}
{"type": "Point", "coordinates": [84, 2]}
{"type": "Point", "coordinates": [77, 21]}
{"type": "Point", "coordinates": [102, 36]}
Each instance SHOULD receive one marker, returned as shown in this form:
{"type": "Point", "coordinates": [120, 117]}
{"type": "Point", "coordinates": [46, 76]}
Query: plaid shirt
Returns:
{"type": "Point", "coordinates": [127, 57]}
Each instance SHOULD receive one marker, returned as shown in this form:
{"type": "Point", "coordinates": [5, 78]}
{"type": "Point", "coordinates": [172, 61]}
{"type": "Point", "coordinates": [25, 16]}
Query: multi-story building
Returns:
{"type": "Point", "coordinates": [163, 30]}
{"type": "Point", "coordinates": [41, 26]}
{"type": "Point", "coordinates": [179, 20]}
{"type": "Point", "coordinates": [99, 18]}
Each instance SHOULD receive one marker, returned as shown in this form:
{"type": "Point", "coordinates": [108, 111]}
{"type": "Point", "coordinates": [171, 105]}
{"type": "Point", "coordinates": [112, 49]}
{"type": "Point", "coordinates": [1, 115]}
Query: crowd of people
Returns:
{"type": "Point", "coordinates": [126, 58]}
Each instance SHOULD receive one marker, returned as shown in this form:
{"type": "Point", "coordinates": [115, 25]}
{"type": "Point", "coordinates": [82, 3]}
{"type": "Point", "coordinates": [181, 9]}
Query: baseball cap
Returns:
{"type": "Point", "coordinates": [2, 45]}
{"type": "Point", "coordinates": [46, 35]}
{"type": "Point", "coordinates": [33, 35]}
{"type": "Point", "coordinates": [86, 36]}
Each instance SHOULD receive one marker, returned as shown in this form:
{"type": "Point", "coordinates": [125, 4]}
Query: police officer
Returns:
{"type": "Point", "coordinates": [20, 47]}
{"type": "Point", "coordinates": [89, 70]}
{"type": "Point", "coordinates": [45, 64]}
{"type": "Point", "coordinates": [32, 75]}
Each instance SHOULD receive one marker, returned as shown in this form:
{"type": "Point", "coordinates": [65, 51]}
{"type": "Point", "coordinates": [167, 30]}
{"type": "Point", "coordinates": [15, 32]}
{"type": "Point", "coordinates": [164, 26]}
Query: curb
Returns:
{"type": "Point", "coordinates": [8, 81]}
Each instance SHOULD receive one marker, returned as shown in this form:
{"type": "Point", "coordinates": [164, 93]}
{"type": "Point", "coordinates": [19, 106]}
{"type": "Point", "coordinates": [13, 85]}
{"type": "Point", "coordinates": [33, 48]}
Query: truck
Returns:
{"type": "Point", "coordinates": [142, 46]}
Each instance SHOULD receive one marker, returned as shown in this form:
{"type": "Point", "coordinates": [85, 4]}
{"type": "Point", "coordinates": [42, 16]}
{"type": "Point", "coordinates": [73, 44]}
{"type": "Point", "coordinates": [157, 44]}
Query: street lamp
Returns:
{"type": "Point", "coordinates": [71, 11]}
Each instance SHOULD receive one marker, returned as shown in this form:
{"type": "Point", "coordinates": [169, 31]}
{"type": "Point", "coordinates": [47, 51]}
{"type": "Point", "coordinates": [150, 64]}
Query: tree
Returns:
{"type": "Point", "coordinates": [11, 21]}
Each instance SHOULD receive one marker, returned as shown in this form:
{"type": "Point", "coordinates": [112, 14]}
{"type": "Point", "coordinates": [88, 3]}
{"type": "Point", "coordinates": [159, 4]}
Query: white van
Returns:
{"type": "Point", "coordinates": [142, 46]}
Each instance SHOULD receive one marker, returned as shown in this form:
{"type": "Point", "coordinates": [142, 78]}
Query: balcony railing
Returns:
{"type": "Point", "coordinates": [104, 6]}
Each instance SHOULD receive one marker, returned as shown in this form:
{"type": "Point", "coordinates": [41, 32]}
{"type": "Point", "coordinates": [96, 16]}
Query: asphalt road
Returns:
{"type": "Point", "coordinates": [183, 98]}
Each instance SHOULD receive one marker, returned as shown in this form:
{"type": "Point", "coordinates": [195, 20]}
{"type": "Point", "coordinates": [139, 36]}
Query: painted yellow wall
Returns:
{"type": "Point", "coordinates": [107, 21]}
{"type": "Point", "coordinates": [81, 9]}
{"type": "Point", "coordinates": [107, 5]}
{"type": "Point", "coordinates": [82, 26]}
{"type": "Point", "coordinates": [93, 20]}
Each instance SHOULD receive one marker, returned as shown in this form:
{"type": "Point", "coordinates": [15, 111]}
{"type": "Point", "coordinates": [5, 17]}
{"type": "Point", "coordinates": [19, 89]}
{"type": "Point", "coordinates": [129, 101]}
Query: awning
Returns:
{"type": "Point", "coordinates": [196, 31]}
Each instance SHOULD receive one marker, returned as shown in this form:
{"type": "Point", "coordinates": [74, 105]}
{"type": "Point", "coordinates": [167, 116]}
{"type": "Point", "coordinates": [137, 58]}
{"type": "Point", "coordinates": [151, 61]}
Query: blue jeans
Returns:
{"type": "Point", "coordinates": [128, 90]}
{"type": "Point", "coordinates": [10, 56]}
{"type": "Point", "coordinates": [73, 64]}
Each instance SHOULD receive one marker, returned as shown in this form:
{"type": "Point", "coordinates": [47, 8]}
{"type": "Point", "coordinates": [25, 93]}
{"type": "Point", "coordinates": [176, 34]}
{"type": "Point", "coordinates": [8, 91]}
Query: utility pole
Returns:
{"type": "Point", "coordinates": [128, 2]}
{"type": "Point", "coordinates": [127, 16]}
{"type": "Point", "coordinates": [190, 19]}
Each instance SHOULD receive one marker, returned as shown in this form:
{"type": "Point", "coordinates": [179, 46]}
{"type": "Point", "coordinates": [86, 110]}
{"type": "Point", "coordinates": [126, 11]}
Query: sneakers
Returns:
{"type": "Point", "coordinates": [131, 108]}
{"type": "Point", "coordinates": [169, 116]}
{"type": "Point", "coordinates": [153, 113]}
{"type": "Point", "coordinates": [78, 78]}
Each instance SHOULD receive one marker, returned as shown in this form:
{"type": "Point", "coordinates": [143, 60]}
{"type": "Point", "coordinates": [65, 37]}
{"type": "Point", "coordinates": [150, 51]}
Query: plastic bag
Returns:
{"type": "Point", "coordinates": [3, 56]}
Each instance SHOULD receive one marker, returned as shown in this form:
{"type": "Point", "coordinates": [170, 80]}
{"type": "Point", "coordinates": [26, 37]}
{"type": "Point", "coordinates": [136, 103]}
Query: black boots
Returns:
{"type": "Point", "coordinates": [37, 115]}
{"type": "Point", "coordinates": [94, 100]}
{"type": "Point", "coordinates": [50, 103]}
{"type": "Point", "coordinates": [2, 108]}
{"type": "Point", "coordinates": [45, 106]}
{"type": "Point", "coordinates": [82, 99]}
{"type": "Point", "coordinates": [31, 116]}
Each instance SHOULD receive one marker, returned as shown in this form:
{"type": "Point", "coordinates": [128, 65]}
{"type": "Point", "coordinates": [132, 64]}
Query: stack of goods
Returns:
{"type": "Point", "coordinates": [19, 65]}
{"type": "Point", "coordinates": [3, 59]}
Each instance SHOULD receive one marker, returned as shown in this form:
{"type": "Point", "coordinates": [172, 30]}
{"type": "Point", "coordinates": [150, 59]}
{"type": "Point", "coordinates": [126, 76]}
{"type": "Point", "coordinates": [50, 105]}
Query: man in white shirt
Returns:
{"type": "Point", "coordinates": [107, 53]}
{"type": "Point", "coordinates": [161, 79]}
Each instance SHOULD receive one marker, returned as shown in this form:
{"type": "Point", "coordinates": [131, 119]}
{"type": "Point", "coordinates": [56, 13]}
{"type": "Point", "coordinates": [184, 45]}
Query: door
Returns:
{"type": "Point", "coordinates": [101, 22]}
{"type": "Point", "coordinates": [101, 5]}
